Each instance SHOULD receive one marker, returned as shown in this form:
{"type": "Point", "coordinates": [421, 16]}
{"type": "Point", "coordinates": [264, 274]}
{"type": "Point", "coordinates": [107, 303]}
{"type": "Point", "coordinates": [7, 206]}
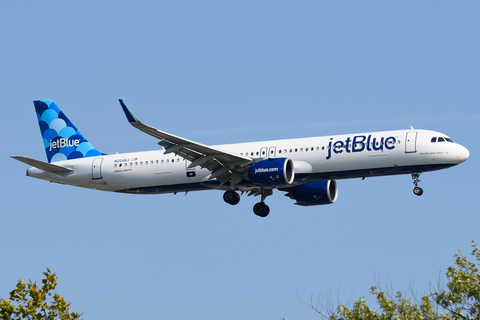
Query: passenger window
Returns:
{"type": "Point", "coordinates": [301, 149]}
{"type": "Point", "coordinates": [130, 164]}
{"type": "Point", "coordinates": [136, 163]}
{"type": "Point", "coordinates": [323, 148]}
{"type": "Point", "coordinates": [440, 139]}
{"type": "Point", "coordinates": [263, 153]}
{"type": "Point", "coordinates": [434, 139]}
{"type": "Point", "coordinates": [285, 150]}
{"type": "Point", "coordinates": [115, 165]}
{"type": "Point", "coordinates": [279, 151]}
{"type": "Point", "coordinates": [290, 150]}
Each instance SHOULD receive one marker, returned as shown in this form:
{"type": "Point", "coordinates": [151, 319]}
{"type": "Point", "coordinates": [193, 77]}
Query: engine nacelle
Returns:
{"type": "Point", "coordinates": [315, 193]}
{"type": "Point", "coordinates": [272, 172]}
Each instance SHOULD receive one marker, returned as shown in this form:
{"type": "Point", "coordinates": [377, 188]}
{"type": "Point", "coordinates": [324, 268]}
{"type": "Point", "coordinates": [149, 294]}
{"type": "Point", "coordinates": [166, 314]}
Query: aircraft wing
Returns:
{"type": "Point", "coordinates": [222, 164]}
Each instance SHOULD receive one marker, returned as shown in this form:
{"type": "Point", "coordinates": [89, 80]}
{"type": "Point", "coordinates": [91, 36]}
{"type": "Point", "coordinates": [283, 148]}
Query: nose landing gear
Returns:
{"type": "Point", "coordinates": [417, 190]}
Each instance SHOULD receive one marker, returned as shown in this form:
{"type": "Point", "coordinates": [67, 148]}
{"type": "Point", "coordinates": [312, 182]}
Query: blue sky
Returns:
{"type": "Point", "coordinates": [226, 72]}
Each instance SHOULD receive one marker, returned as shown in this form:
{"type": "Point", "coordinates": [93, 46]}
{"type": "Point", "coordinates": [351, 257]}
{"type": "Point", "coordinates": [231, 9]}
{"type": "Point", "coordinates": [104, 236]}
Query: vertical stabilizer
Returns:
{"type": "Point", "coordinates": [61, 139]}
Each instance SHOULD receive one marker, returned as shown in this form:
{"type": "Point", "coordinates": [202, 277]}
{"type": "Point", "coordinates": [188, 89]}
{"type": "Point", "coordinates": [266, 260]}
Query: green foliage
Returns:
{"type": "Point", "coordinates": [33, 304]}
{"type": "Point", "coordinates": [461, 299]}
{"type": "Point", "coordinates": [398, 307]}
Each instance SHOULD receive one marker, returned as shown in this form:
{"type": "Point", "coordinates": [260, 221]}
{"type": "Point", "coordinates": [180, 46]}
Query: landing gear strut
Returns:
{"type": "Point", "coordinates": [231, 197]}
{"type": "Point", "coordinates": [417, 190]}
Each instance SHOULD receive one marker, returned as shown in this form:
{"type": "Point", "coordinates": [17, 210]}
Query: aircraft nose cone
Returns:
{"type": "Point", "coordinates": [462, 154]}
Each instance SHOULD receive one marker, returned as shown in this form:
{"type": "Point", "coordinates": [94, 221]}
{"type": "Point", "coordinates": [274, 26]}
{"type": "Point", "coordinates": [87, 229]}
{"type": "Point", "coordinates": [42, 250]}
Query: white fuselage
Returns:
{"type": "Point", "coordinates": [316, 158]}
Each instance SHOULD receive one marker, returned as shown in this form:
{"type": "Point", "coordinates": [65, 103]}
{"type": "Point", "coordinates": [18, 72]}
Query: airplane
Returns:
{"type": "Point", "coordinates": [306, 169]}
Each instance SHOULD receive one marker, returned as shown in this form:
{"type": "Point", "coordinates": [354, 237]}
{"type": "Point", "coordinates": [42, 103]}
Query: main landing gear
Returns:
{"type": "Point", "coordinates": [260, 209]}
{"type": "Point", "coordinates": [417, 190]}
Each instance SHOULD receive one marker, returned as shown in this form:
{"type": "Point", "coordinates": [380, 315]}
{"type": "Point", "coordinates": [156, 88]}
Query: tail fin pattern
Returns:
{"type": "Point", "coordinates": [61, 139]}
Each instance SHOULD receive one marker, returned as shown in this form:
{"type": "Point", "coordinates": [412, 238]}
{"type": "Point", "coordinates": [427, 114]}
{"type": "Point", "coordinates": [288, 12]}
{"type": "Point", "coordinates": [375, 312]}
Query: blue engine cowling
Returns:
{"type": "Point", "coordinates": [272, 172]}
{"type": "Point", "coordinates": [315, 193]}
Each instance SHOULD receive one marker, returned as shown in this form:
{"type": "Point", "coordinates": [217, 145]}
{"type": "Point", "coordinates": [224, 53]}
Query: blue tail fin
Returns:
{"type": "Point", "coordinates": [61, 139]}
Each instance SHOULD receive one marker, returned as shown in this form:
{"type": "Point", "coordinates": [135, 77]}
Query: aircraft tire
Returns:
{"type": "Point", "coordinates": [261, 209]}
{"type": "Point", "coordinates": [231, 197]}
{"type": "Point", "coordinates": [418, 191]}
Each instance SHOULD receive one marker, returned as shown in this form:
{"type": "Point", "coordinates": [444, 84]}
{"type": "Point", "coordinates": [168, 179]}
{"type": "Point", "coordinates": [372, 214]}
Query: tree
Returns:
{"type": "Point", "coordinates": [461, 299]}
{"type": "Point", "coordinates": [33, 304]}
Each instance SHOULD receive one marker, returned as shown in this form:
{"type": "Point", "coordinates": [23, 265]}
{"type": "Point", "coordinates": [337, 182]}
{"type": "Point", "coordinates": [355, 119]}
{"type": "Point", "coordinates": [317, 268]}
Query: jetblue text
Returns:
{"type": "Point", "coordinates": [62, 143]}
{"type": "Point", "coordinates": [359, 144]}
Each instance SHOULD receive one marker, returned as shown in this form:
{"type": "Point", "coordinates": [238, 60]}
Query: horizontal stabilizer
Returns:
{"type": "Point", "coordinates": [42, 165]}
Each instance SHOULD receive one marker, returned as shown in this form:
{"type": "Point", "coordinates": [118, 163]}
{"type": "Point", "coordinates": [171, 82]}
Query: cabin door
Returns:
{"type": "Point", "coordinates": [411, 142]}
{"type": "Point", "coordinates": [97, 168]}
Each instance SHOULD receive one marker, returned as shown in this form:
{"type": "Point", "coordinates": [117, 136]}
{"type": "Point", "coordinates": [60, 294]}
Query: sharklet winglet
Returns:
{"type": "Point", "coordinates": [128, 113]}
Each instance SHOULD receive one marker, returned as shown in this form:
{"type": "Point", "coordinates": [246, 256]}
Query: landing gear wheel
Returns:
{"type": "Point", "coordinates": [231, 197]}
{"type": "Point", "coordinates": [418, 191]}
{"type": "Point", "coordinates": [261, 209]}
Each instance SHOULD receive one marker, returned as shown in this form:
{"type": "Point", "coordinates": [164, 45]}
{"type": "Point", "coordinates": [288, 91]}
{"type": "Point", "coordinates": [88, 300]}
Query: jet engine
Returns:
{"type": "Point", "coordinates": [314, 193]}
{"type": "Point", "coordinates": [271, 172]}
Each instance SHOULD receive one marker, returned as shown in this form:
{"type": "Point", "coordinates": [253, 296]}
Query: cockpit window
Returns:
{"type": "Point", "coordinates": [442, 139]}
